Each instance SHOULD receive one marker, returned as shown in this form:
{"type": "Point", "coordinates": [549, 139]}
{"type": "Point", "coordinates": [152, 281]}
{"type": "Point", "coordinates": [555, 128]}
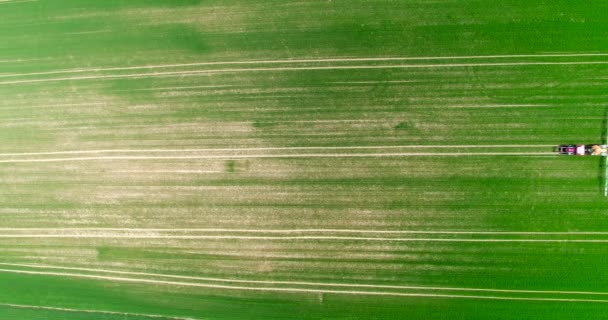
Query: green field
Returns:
{"type": "Point", "coordinates": [360, 159]}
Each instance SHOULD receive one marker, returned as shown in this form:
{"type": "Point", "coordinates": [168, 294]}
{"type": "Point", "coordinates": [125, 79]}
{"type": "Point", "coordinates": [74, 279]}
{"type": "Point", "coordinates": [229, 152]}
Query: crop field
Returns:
{"type": "Point", "coordinates": [339, 159]}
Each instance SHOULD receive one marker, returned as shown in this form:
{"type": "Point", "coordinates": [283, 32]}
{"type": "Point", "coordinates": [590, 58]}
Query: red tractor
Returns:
{"type": "Point", "coordinates": [584, 149]}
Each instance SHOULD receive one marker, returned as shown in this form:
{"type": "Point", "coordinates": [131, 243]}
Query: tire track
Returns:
{"type": "Point", "coordinates": [265, 156]}
{"type": "Point", "coordinates": [308, 283]}
{"type": "Point", "coordinates": [296, 290]}
{"type": "Point", "coordinates": [89, 311]}
{"type": "Point", "coordinates": [291, 238]}
{"type": "Point", "coordinates": [308, 68]}
{"type": "Point", "coordinates": [15, 1]}
{"type": "Point", "coordinates": [314, 231]}
{"type": "Point", "coordinates": [296, 61]}
{"type": "Point", "coordinates": [98, 151]}
{"type": "Point", "coordinates": [270, 156]}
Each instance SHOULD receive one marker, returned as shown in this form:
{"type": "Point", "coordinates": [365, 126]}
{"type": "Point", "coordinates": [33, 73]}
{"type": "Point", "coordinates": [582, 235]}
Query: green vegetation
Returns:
{"type": "Point", "coordinates": [154, 155]}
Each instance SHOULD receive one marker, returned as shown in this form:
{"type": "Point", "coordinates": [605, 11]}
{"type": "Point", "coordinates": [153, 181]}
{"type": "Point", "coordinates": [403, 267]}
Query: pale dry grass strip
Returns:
{"type": "Point", "coordinates": [375, 82]}
{"type": "Point", "coordinates": [168, 171]}
{"type": "Point", "coordinates": [182, 88]}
